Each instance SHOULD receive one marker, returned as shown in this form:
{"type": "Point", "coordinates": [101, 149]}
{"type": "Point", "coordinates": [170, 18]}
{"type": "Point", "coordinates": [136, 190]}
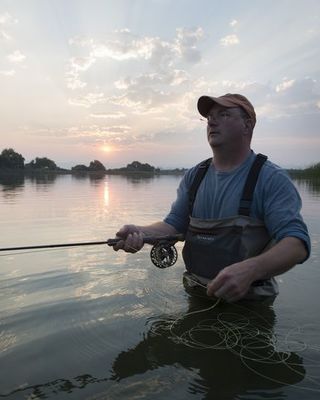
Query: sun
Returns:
{"type": "Point", "coordinates": [106, 148]}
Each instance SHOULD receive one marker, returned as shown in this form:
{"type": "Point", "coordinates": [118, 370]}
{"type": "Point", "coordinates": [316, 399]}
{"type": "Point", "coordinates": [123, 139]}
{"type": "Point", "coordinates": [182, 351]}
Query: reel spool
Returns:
{"type": "Point", "coordinates": [163, 254]}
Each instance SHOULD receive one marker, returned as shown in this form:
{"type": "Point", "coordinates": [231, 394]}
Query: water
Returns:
{"type": "Point", "coordinates": [90, 323]}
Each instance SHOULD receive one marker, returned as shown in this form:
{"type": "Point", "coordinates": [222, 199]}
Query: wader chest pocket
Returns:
{"type": "Point", "coordinates": [212, 250]}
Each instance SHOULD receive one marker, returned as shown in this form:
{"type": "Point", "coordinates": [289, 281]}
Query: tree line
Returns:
{"type": "Point", "coordinates": [11, 160]}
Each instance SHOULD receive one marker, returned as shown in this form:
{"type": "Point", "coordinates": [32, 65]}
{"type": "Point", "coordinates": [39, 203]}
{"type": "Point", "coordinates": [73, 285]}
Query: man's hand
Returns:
{"type": "Point", "coordinates": [131, 239]}
{"type": "Point", "coordinates": [232, 283]}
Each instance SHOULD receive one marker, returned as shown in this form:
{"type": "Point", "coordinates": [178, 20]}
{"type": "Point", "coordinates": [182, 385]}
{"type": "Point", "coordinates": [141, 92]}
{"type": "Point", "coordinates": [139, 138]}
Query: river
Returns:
{"type": "Point", "coordinates": [91, 323]}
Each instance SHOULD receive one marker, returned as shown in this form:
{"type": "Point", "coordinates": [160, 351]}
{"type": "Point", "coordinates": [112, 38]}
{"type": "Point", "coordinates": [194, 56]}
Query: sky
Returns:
{"type": "Point", "coordinates": [119, 80]}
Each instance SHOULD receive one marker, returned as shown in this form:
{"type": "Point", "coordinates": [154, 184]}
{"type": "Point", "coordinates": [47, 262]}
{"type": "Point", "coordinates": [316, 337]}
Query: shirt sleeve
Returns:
{"type": "Point", "coordinates": [282, 209]}
{"type": "Point", "coordinates": [178, 216]}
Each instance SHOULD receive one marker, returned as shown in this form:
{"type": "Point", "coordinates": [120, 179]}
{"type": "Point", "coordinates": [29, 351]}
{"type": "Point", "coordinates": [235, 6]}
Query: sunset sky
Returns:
{"type": "Point", "coordinates": [118, 80]}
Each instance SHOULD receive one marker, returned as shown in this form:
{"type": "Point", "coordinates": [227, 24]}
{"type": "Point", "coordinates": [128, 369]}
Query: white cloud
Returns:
{"type": "Point", "coordinates": [116, 115]}
{"type": "Point", "coordinates": [236, 85]}
{"type": "Point", "coordinates": [4, 36]}
{"type": "Point", "coordinates": [286, 84]}
{"type": "Point", "coordinates": [73, 82]}
{"type": "Point", "coordinates": [289, 98]}
{"type": "Point", "coordinates": [87, 100]}
{"type": "Point", "coordinates": [229, 40]}
{"type": "Point", "coordinates": [16, 57]}
{"type": "Point", "coordinates": [10, 72]}
{"type": "Point", "coordinates": [7, 19]}
{"type": "Point", "coordinates": [74, 67]}
{"type": "Point", "coordinates": [186, 42]}
{"type": "Point", "coordinates": [150, 92]}
{"type": "Point", "coordinates": [81, 63]}
{"type": "Point", "coordinates": [233, 23]}
{"type": "Point", "coordinates": [119, 45]}
{"type": "Point", "coordinates": [124, 45]}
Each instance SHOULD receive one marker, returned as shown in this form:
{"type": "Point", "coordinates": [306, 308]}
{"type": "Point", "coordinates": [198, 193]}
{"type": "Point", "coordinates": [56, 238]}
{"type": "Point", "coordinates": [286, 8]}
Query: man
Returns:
{"type": "Point", "coordinates": [241, 214]}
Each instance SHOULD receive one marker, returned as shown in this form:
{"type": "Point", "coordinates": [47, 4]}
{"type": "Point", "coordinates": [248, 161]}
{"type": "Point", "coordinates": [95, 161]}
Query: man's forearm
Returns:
{"type": "Point", "coordinates": [233, 282]}
{"type": "Point", "coordinates": [279, 259]}
{"type": "Point", "coordinates": [158, 229]}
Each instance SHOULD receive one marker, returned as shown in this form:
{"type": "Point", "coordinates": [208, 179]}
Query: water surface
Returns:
{"type": "Point", "coordinates": [90, 323]}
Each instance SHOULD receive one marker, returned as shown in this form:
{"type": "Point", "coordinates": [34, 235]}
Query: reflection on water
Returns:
{"type": "Point", "coordinates": [94, 324]}
{"type": "Point", "coordinates": [312, 185]}
{"type": "Point", "coordinates": [12, 181]}
{"type": "Point", "coordinates": [11, 186]}
{"type": "Point", "coordinates": [210, 343]}
{"type": "Point", "coordinates": [201, 351]}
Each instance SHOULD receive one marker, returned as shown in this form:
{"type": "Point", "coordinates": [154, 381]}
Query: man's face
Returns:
{"type": "Point", "coordinates": [225, 126]}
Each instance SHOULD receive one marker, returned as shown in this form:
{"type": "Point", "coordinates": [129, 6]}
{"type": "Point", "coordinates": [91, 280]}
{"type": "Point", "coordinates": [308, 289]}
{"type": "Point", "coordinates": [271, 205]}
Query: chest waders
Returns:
{"type": "Point", "coordinates": [213, 244]}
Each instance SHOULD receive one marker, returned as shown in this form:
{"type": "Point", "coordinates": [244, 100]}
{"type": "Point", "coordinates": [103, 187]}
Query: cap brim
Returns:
{"type": "Point", "coordinates": [205, 103]}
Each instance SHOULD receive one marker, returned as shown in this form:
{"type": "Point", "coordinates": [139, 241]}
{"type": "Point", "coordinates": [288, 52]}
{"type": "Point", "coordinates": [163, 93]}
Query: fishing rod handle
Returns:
{"type": "Point", "coordinates": [151, 239]}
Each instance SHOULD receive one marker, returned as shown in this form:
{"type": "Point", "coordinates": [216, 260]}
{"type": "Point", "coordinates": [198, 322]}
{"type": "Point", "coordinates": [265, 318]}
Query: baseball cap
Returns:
{"type": "Point", "coordinates": [228, 100]}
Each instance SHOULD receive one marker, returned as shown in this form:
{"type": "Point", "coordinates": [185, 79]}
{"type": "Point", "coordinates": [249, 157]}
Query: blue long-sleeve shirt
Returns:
{"type": "Point", "coordinates": [276, 201]}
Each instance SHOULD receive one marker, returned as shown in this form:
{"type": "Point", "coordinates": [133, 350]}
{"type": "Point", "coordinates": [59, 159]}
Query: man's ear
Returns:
{"type": "Point", "coordinates": [248, 126]}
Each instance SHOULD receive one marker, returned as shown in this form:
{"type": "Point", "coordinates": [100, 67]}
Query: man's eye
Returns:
{"type": "Point", "coordinates": [224, 114]}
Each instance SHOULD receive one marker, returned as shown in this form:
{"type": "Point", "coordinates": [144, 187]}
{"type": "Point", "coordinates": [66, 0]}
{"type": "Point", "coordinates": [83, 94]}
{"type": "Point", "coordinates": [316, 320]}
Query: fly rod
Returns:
{"type": "Point", "coordinates": [163, 253]}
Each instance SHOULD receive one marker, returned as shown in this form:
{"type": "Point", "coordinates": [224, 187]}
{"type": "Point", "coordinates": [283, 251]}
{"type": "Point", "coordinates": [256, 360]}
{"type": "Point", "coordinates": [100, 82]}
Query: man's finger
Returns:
{"type": "Point", "coordinates": [119, 245]}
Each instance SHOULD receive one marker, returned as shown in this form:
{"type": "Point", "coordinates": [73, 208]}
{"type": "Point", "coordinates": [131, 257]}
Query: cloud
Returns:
{"type": "Point", "coordinates": [143, 100]}
{"type": "Point", "coordinates": [229, 40]}
{"type": "Point", "coordinates": [171, 78]}
{"type": "Point", "coordinates": [151, 92]}
{"type": "Point", "coordinates": [74, 67]}
{"type": "Point", "coordinates": [10, 72]}
{"type": "Point", "coordinates": [16, 57]}
{"type": "Point", "coordinates": [290, 98]}
{"type": "Point", "coordinates": [233, 23]}
{"type": "Point", "coordinates": [119, 45]}
{"type": "Point", "coordinates": [116, 115]}
{"type": "Point", "coordinates": [7, 19]}
{"type": "Point", "coordinates": [122, 45]}
{"type": "Point", "coordinates": [87, 100]}
{"type": "Point", "coordinates": [4, 35]}
{"type": "Point", "coordinates": [286, 84]}
{"type": "Point", "coordinates": [186, 44]}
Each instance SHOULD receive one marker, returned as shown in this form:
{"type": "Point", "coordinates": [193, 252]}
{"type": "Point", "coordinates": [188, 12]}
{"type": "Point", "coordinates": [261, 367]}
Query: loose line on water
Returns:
{"type": "Point", "coordinates": [235, 332]}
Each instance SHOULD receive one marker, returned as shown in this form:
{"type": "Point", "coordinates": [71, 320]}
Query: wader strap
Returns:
{"type": "Point", "coordinates": [202, 168]}
{"type": "Point", "coordinates": [247, 194]}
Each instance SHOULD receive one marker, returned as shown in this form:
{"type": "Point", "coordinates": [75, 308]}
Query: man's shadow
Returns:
{"type": "Point", "coordinates": [232, 347]}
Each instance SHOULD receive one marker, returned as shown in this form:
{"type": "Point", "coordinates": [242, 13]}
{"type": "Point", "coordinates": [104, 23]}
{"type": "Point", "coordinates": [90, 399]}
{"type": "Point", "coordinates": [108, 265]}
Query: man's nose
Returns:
{"type": "Point", "coordinates": [212, 120]}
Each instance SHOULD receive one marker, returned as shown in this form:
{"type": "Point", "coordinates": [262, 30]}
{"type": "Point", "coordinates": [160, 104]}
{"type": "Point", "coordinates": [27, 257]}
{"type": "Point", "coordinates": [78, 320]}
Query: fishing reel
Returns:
{"type": "Point", "coordinates": [163, 254]}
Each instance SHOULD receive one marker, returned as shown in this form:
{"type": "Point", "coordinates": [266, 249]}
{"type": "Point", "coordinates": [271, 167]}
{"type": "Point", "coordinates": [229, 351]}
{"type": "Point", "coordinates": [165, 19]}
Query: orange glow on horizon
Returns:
{"type": "Point", "coordinates": [107, 148]}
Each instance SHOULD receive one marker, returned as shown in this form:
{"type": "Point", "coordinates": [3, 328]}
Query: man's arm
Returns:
{"type": "Point", "coordinates": [132, 235]}
{"type": "Point", "coordinates": [233, 282]}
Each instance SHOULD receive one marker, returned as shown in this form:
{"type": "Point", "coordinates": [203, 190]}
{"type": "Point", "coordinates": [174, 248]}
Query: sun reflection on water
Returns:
{"type": "Point", "coordinates": [106, 194]}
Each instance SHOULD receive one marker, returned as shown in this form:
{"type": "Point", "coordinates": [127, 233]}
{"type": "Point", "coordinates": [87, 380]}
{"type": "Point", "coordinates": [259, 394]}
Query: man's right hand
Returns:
{"type": "Point", "coordinates": [131, 239]}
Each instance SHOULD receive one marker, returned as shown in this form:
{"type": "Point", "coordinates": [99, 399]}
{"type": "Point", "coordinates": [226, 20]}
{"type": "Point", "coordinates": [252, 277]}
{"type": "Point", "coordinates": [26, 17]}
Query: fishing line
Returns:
{"type": "Point", "coordinates": [252, 343]}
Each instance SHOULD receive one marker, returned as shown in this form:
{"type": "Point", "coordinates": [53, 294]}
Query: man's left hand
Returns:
{"type": "Point", "coordinates": [232, 283]}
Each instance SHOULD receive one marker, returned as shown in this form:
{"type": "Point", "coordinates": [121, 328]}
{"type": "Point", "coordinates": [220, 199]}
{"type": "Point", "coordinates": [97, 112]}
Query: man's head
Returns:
{"type": "Point", "coordinates": [205, 104]}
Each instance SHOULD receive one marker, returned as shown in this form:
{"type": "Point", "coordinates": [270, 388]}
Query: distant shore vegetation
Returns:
{"type": "Point", "coordinates": [11, 161]}
{"type": "Point", "coordinates": [309, 172]}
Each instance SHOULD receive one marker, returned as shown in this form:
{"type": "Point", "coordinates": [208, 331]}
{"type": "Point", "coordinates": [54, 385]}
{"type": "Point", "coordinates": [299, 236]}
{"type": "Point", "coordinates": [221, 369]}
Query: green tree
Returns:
{"type": "Point", "coordinates": [80, 168]}
{"type": "Point", "coordinates": [96, 166]}
{"type": "Point", "coordinates": [139, 167]}
{"type": "Point", "coordinates": [42, 163]}
{"type": "Point", "coordinates": [10, 159]}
